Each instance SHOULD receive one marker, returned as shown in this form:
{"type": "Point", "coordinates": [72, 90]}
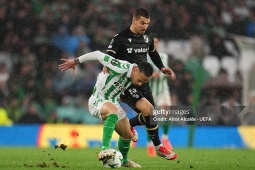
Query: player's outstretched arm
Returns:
{"type": "Point", "coordinates": [103, 58]}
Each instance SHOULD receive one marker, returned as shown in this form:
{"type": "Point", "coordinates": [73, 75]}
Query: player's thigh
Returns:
{"type": "Point", "coordinates": [108, 108]}
{"type": "Point", "coordinates": [123, 128]}
{"type": "Point", "coordinates": [100, 108]}
{"type": "Point", "coordinates": [131, 96]}
{"type": "Point", "coordinates": [134, 94]}
{"type": "Point", "coordinates": [144, 106]}
{"type": "Point", "coordinates": [148, 94]}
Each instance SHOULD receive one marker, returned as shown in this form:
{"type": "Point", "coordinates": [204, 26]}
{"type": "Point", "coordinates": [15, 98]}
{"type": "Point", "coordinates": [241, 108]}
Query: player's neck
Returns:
{"type": "Point", "coordinates": [132, 29]}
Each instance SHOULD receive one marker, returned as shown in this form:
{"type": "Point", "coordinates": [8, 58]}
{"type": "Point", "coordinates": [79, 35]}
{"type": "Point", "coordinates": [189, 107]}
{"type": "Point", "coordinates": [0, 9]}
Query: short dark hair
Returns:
{"type": "Point", "coordinates": [141, 12]}
{"type": "Point", "coordinates": [146, 68]}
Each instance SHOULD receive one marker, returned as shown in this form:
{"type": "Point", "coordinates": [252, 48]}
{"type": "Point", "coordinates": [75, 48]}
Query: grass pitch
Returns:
{"type": "Point", "coordinates": [17, 158]}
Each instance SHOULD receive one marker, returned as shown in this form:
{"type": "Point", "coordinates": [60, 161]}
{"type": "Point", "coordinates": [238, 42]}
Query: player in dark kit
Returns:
{"type": "Point", "coordinates": [133, 44]}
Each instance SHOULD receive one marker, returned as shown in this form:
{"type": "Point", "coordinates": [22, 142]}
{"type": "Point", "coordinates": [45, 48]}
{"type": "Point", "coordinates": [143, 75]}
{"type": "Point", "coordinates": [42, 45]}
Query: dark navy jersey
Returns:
{"type": "Point", "coordinates": [131, 47]}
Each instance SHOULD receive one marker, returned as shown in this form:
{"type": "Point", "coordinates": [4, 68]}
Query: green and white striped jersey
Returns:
{"type": "Point", "coordinates": [159, 85]}
{"type": "Point", "coordinates": [110, 86]}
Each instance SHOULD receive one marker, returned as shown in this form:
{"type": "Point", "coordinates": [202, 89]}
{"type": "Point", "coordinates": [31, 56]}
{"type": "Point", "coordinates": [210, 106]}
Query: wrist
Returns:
{"type": "Point", "coordinates": [76, 61]}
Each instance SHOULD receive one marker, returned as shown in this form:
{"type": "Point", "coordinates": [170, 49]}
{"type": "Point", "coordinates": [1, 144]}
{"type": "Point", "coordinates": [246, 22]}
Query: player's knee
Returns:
{"type": "Point", "coordinates": [127, 135]}
{"type": "Point", "coordinates": [113, 110]}
{"type": "Point", "coordinates": [105, 115]}
{"type": "Point", "coordinates": [147, 110]}
{"type": "Point", "coordinates": [108, 112]}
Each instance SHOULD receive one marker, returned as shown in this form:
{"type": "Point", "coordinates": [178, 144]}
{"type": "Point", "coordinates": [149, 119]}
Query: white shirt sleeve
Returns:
{"type": "Point", "coordinates": [118, 66]}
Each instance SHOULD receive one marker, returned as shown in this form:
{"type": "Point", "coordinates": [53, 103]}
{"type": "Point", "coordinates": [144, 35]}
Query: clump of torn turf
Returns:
{"type": "Point", "coordinates": [55, 164]}
{"type": "Point", "coordinates": [26, 165]}
{"type": "Point", "coordinates": [52, 162]}
{"type": "Point", "coordinates": [62, 146]}
{"type": "Point", "coordinates": [42, 165]}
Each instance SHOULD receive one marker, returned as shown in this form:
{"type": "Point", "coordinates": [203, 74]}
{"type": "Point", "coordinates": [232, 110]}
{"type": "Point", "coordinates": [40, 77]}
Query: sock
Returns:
{"type": "Point", "coordinates": [137, 120]}
{"type": "Point", "coordinates": [108, 129]}
{"type": "Point", "coordinates": [124, 146]}
{"type": "Point", "coordinates": [152, 131]}
{"type": "Point", "coordinates": [165, 129]}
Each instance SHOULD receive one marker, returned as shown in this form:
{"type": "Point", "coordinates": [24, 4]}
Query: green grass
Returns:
{"type": "Point", "coordinates": [82, 159]}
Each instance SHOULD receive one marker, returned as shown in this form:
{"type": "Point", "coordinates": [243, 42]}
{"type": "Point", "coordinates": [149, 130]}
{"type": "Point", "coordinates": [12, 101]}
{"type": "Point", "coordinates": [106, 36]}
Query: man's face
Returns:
{"type": "Point", "coordinates": [141, 25]}
{"type": "Point", "coordinates": [139, 78]}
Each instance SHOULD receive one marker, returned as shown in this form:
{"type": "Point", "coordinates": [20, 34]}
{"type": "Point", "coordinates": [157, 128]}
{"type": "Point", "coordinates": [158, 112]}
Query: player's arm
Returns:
{"type": "Point", "coordinates": [103, 58]}
{"type": "Point", "coordinates": [70, 63]}
{"type": "Point", "coordinates": [158, 62]}
{"type": "Point", "coordinates": [155, 58]}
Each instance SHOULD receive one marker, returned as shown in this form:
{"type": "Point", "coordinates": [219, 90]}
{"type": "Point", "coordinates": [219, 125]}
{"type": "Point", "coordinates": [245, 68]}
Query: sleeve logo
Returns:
{"type": "Point", "coordinates": [114, 62]}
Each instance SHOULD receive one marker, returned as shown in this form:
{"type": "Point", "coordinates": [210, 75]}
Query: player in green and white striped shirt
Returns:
{"type": "Point", "coordinates": [161, 93]}
{"type": "Point", "coordinates": [104, 102]}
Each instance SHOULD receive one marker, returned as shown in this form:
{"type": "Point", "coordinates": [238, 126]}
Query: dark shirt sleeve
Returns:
{"type": "Point", "coordinates": [154, 55]}
{"type": "Point", "coordinates": [113, 47]}
{"type": "Point", "coordinates": [155, 58]}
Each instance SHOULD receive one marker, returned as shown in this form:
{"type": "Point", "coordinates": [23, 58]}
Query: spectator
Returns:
{"type": "Point", "coordinates": [217, 46]}
{"type": "Point", "coordinates": [31, 116]}
{"type": "Point", "coordinates": [231, 109]}
{"type": "Point", "coordinates": [4, 120]}
{"type": "Point", "coordinates": [250, 26]}
{"type": "Point", "coordinates": [14, 110]}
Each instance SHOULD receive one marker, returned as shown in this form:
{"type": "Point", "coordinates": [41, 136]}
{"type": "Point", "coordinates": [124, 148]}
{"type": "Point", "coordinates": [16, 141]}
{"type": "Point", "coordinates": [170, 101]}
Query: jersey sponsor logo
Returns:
{"type": "Point", "coordinates": [141, 50]}
{"type": "Point", "coordinates": [118, 86]}
{"type": "Point", "coordinates": [130, 39]}
{"type": "Point", "coordinates": [138, 50]}
{"type": "Point", "coordinates": [129, 50]}
{"type": "Point", "coordinates": [146, 38]}
{"type": "Point", "coordinates": [116, 83]}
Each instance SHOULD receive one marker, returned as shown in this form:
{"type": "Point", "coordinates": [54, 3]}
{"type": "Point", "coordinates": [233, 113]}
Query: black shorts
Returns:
{"type": "Point", "coordinates": [134, 93]}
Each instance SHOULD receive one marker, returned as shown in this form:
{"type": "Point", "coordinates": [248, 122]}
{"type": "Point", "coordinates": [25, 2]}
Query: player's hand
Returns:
{"type": "Point", "coordinates": [105, 70]}
{"type": "Point", "coordinates": [68, 63]}
{"type": "Point", "coordinates": [167, 71]}
{"type": "Point", "coordinates": [173, 77]}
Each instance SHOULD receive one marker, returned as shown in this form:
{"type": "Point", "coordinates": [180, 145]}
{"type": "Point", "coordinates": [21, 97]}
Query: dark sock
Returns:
{"type": "Point", "coordinates": [152, 130]}
{"type": "Point", "coordinates": [137, 120]}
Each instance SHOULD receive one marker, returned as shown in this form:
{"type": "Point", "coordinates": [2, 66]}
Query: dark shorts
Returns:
{"type": "Point", "coordinates": [134, 93]}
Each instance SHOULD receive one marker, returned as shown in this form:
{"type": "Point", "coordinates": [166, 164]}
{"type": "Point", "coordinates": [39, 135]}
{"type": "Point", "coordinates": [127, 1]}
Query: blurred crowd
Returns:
{"type": "Point", "coordinates": [36, 34]}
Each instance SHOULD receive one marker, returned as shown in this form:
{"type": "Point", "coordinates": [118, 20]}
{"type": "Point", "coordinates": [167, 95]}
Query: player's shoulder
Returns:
{"type": "Point", "coordinates": [123, 33]}
{"type": "Point", "coordinates": [149, 34]}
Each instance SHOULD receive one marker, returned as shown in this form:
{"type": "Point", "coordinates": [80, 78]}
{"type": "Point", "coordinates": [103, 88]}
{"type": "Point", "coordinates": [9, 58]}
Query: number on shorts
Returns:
{"type": "Point", "coordinates": [97, 101]}
{"type": "Point", "coordinates": [133, 92]}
